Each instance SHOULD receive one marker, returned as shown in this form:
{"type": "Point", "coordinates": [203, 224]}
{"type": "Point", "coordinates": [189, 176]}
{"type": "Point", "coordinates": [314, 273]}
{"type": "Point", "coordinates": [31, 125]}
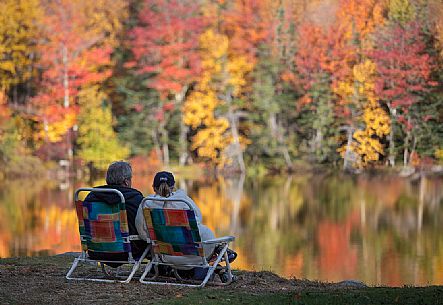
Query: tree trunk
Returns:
{"type": "Point", "coordinates": [318, 140]}
{"type": "Point", "coordinates": [179, 98]}
{"type": "Point", "coordinates": [165, 154]}
{"type": "Point", "coordinates": [276, 133]}
{"type": "Point", "coordinates": [157, 146]}
{"type": "Point", "coordinates": [346, 159]}
{"type": "Point", "coordinates": [183, 143]}
{"type": "Point", "coordinates": [235, 136]}
{"type": "Point", "coordinates": [164, 141]}
{"type": "Point", "coordinates": [391, 156]}
{"type": "Point", "coordinates": [406, 155]}
{"type": "Point", "coordinates": [406, 149]}
{"type": "Point", "coordinates": [66, 103]}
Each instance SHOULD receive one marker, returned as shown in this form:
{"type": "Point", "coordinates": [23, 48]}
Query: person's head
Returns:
{"type": "Point", "coordinates": [119, 173]}
{"type": "Point", "coordinates": [163, 184]}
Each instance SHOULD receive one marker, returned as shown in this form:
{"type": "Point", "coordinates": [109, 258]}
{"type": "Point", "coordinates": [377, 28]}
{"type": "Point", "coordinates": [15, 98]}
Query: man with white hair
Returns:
{"type": "Point", "coordinates": [119, 177]}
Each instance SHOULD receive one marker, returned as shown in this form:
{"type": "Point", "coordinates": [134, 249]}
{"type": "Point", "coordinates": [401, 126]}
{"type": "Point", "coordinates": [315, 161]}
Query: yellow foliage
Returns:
{"type": "Point", "coordinates": [223, 73]}
{"type": "Point", "coordinates": [54, 132]}
{"type": "Point", "coordinates": [366, 142]}
{"type": "Point", "coordinates": [439, 154]}
{"type": "Point", "coordinates": [18, 33]}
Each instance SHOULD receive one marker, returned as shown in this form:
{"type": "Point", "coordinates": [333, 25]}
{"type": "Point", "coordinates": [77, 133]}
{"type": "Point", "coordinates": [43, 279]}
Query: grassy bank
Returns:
{"type": "Point", "coordinates": [41, 281]}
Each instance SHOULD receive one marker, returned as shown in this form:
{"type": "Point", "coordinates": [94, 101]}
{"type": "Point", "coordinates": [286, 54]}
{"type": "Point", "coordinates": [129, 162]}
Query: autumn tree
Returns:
{"type": "Point", "coordinates": [78, 37]}
{"type": "Point", "coordinates": [356, 20]}
{"type": "Point", "coordinates": [404, 75]}
{"type": "Point", "coordinates": [165, 48]}
{"type": "Point", "coordinates": [248, 25]}
{"type": "Point", "coordinates": [18, 41]}
{"type": "Point", "coordinates": [272, 97]}
{"type": "Point", "coordinates": [314, 81]}
{"type": "Point", "coordinates": [367, 140]}
{"type": "Point", "coordinates": [223, 78]}
{"type": "Point", "coordinates": [98, 143]}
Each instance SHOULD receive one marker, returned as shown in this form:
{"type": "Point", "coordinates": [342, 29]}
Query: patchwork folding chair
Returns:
{"type": "Point", "coordinates": [104, 230]}
{"type": "Point", "coordinates": [174, 232]}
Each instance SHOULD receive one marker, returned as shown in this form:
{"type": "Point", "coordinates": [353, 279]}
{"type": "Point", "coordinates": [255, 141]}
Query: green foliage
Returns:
{"type": "Point", "coordinates": [15, 159]}
{"type": "Point", "coordinates": [97, 140]}
{"type": "Point", "coordinates": [317, 118]}
{"type": "Point", "coordinates": [135, 118]}
{"type": "Point", "coordinates": [428, 121]}
{"type": "Point", "coordinates": [271, 112]}
{"type": "Point", "coordinates": [401, 11]}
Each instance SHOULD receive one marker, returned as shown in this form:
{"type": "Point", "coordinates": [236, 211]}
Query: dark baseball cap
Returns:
{"type": "Point", "coordinates": [163, 177]}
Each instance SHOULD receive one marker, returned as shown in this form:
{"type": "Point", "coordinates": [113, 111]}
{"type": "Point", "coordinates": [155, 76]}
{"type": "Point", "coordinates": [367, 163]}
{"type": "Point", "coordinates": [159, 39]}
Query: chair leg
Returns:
{"type": "Point", "coordinates": [131, 275]}
{"type": "Point", "coordinates": [134, 269]}
{"type": "Point", "coordinates": [212, 268]}
{"type": "Point", "coordinates": [73, 267]}
{"type": "Point", "coordinates": [136, 266]}
{"type": "Point", "coordinates": [228, 269]}
{"type": "Point", "coordinates": [147, 269]}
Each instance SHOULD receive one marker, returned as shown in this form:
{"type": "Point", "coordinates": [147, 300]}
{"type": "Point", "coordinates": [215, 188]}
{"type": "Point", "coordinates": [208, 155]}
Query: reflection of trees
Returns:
{"type": "Point", "coordinates": [379, 230]}
{"type": "Point", "coordinates": [36, 218]}
{"type": "Point", "coordinates": [270, 225]}
{"type": "Point", "coordinates": [259, 216]}
{"type": "Point", "coordinates": [331, 228]}
{"type": "Point", "coordinates": [402, 239]}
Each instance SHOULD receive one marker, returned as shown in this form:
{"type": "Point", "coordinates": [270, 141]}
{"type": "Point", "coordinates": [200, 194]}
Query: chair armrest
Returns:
{"type": "Point", "coordinates": [224, 239]}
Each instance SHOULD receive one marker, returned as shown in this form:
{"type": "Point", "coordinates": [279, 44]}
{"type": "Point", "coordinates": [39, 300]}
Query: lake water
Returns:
{"type": "Point", "coordinates": [380, 230]}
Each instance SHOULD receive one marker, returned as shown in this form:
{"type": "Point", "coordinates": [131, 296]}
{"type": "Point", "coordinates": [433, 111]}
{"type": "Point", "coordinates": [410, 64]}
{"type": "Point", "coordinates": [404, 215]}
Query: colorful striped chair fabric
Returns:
{"type": "Point", "coordinates": [103, 227]}
{"type": "Point", "coordinates": [173, 232]}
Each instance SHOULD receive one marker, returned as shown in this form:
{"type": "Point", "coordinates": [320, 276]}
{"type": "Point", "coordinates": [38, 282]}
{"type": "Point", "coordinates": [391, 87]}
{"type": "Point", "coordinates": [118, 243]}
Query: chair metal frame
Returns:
{"type": "Point", "coordinates": [157, 259]}
{"type": "Point", "coordinates": [84, 258]}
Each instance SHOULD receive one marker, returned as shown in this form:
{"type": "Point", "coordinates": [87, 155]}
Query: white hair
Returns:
{"type": "Point", "coordinates": [118, 172]}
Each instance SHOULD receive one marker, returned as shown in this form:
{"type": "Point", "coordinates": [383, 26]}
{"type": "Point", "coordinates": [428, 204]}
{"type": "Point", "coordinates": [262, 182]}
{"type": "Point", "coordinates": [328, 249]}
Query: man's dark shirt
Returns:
{"type": "Point", "coordinates": [133, 198]}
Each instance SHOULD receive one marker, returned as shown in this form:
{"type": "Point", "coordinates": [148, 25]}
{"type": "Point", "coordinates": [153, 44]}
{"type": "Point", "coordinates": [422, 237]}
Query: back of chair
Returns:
{"type": "Point", "coordinates": [103, 227]}
{"type": "Point", "coordinates": [173, 232]}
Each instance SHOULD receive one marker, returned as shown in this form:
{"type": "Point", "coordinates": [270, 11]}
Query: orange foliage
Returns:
{"type": "Point", "coordinates": [4, 110]}
{"type": "Point", "coordinates": [248, 26]}
{"type": "Point", "coordinates": [360, 17]}
{"type": "Point", "coordinates": [5, 113]}
{"type": "Point", "coordinates": [145, 164]}
{"type": "Point", "coordinates": [334, 242]}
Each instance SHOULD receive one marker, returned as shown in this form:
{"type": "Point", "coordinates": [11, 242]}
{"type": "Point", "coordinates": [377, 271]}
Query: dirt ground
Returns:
{"type": "Point", "coordinates": [42, 280]}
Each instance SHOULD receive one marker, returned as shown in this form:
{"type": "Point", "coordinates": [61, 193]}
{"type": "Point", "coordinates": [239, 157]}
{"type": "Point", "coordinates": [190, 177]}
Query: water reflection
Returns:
{"type": "Point", "coordinates": [381, 230]}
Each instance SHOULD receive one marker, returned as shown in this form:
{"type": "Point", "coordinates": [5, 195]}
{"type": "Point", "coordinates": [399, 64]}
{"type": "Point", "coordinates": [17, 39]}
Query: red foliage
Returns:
{"type": "Point", "coordinates": [145, 164]}
{"type": "Point", "coordinates": [69, 51]}
{"type": "Point", "coordinates": [138, 107]}
{"type": "Point", "coordinates": [311, 58]}
{"type": "Point", "coordinates": [248, 26]}
{"type": "Point", "coordinates": [168, 106]}
{"type": "Point", "coordinates": [166, 44]}
{"type": "Point", "coordinates": [403, 67]}
{"type": "Point", "coordinates": [159, 115]}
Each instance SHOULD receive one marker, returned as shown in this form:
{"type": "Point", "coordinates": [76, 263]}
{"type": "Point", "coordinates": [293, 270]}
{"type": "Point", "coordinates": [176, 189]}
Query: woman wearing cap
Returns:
{"type": "Point", "coordinates": [164, 186]}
